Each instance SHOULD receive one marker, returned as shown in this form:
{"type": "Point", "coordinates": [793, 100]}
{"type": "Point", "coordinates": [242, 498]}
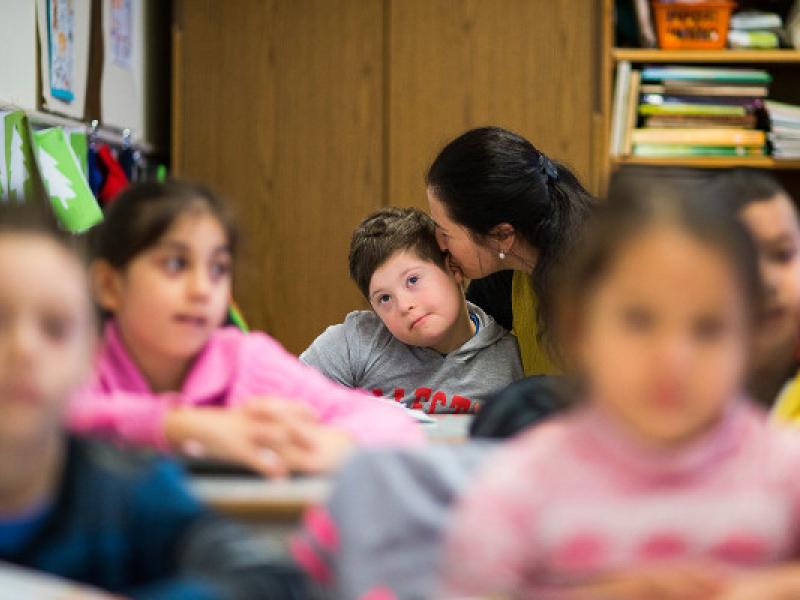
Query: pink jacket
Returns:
{"type": "Point", "coordinates": [576, 498]}
{"type": "Point", "coordinates": [232, 368]}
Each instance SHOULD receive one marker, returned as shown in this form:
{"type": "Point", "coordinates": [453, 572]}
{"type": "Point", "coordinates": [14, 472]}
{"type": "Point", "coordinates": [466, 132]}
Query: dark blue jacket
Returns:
{"type": "Point", "coordinates": [126, 523]}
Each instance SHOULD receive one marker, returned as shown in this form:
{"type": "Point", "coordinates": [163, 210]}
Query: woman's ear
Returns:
{"type": "Point", "coordinates": [106, 285]}
{"type": "Point", "coordinates": [505, 235]}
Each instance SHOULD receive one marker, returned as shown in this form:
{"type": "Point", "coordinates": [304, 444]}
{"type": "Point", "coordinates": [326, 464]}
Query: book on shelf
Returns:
{"type": "Point", "coordinates": [753, 40]}
{"type": "Point", "coordinates": [784, 133]}
{"type": "Point", "coordinates": [705, 74]}
{"type": "Point", "coordinates": [700, 121]}
{"type": "Point", "coordinates": [715, 110]}
{"type": "Point", "coordinates": [644, 21]}
{"type": "Point", "coordinates": [701, 137]}
{"type": "Point", "coordinates": [756, 20]}
{"type": "Point", "coordinates": [618, 110]}
{"type": "Point", "coordinates": [683, 88]}
{"type": "Point", "coordinates": [631, 114]}
{"type": "Point", "coordinates": [678, 150]}
{"type": "Point", "coordinates": [782, 111]}
{"type": "Point", "coordinates": [678, 111]}
{"type": "Point", "coordinates": [748, 102]}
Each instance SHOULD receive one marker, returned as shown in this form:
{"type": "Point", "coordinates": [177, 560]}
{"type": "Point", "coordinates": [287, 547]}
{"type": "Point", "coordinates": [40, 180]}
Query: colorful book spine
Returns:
{"type": "Point", "coordinates": [700, 121]}
{"type": "Point", "coordinates": [705, 74]}
{"type": "Point", "coordinates": [677, 150]}
{"type": "Point", "coordinates": [688, 88]}
{"type": "Point", "coordinates": [705, 137]}
{"type": "Point", "coordinates": [692, 109]}
{"type": "Point", "coordinates": [746, 102]}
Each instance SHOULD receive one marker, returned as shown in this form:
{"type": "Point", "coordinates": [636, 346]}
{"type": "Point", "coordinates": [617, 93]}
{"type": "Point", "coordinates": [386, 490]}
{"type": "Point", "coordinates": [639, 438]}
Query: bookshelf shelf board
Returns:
{"type": "Point", "coordinates": [648, 55]}
{"type": "Point", "coordinates": [709, 162]}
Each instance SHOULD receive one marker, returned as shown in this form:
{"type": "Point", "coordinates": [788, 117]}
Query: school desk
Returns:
{"type": "Point", "coordinates": [448, 429]}
{"type": "Point", "coordinates": [253, 499]}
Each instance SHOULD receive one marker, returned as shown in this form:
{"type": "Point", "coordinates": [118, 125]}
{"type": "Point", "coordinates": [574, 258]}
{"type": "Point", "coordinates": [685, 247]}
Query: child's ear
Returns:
{"type": "Point", "coordinates": [106, 285]}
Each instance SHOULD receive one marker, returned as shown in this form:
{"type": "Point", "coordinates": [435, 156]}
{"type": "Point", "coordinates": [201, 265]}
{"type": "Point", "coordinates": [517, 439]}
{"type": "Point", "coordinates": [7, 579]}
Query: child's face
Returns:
{"type": "Point", "coordinates": [418, 302]}
{"type": "Point", "coordinates": [46, 335]}
{"type": "Point", "coordinates": [773, 224]}
{"type": "Point", "coordinates": [171, 297]}
{"type": "Point", "coordinates": [664, 336]}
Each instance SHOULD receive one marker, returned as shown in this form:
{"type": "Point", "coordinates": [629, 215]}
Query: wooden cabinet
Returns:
{"type": "Point", "coordinates": [309, 114]}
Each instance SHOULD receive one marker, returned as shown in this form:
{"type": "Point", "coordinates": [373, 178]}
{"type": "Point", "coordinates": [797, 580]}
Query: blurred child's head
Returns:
{"type": "Point", "coordinates": [162, 267]}
{"type": "Point", "coordinates": [397, 264]}
{"type": "Point", "coordinates": [46, 333]}
{"type": "Point", "coordinates": [662, 298]}
{"type": "Point", "coordinates": [771, 217]}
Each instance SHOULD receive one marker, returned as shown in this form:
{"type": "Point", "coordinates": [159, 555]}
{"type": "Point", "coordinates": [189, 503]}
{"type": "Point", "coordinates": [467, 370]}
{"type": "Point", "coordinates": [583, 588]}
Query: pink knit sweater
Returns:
{"type": "Point", "coordinates": [576, 498]}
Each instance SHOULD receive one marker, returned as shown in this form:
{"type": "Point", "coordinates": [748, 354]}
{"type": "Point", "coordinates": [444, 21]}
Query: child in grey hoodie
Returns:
{"type": "Point", "coordinates": [422, 343]}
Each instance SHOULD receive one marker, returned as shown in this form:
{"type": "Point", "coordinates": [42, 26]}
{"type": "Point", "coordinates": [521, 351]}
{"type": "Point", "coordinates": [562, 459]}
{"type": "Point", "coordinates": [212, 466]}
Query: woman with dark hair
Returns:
{"type": "Point", "coordinates": [508, 215]}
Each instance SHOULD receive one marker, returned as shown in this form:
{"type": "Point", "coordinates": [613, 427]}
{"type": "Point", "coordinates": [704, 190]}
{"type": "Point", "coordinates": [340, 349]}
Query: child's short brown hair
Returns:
{"type": "Point", "coordinates": [387, 231]}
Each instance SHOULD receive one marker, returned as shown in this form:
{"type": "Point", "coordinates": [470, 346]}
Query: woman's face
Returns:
{"type": "Point", "coordinates": [474, 260]}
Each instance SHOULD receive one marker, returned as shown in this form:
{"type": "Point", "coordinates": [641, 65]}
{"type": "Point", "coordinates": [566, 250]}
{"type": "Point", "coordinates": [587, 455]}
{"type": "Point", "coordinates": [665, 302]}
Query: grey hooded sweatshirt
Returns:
{"type": "Point", "coordinates": [361, 353]}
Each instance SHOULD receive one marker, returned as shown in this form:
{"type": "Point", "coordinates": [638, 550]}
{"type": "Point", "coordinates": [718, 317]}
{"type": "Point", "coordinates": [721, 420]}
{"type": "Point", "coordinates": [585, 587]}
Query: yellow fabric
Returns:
{"type": "Point", "coordinates": [535, 360]}
{"type": "Point", "coordinates": [787, 407]}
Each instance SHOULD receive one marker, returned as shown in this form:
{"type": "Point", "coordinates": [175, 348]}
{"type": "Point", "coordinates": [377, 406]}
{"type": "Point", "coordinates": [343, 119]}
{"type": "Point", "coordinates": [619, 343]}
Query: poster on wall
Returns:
{"type": "Point", "coordinates": [121, 33]}
{"type": "Point", "coordinates": [64, 30]}
{"type": "Point", "coordinates": [61, 46]}
{"type": "Point", "coordinates": [122, 86]}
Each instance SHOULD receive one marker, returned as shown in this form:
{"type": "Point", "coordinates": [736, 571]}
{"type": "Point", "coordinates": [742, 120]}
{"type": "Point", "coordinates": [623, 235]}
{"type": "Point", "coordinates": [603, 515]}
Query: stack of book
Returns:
{"type": "Point", "coordinates": [755, 30]}
{"type": "Point", "coordinates": [689, 111]}
{"type": "Point", "coordinates": [784, 129]}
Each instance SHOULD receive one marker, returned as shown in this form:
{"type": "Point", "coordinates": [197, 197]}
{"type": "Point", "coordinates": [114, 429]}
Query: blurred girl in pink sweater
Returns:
{"type": "Point", "coordinates": [171, 377]}
{"type": "Point", "coordinates": [663, 481]}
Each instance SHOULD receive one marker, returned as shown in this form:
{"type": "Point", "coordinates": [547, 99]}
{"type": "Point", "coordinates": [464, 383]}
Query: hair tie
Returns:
{"type": "Point", "coordinates": [547, 167]}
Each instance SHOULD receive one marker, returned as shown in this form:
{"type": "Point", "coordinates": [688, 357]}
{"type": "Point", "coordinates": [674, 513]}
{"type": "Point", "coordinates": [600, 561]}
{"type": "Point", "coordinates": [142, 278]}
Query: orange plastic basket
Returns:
{"type": "Point", "coordinates": [692, 24]}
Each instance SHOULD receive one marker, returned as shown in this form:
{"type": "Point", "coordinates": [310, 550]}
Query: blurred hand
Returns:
{"type": "Point", "coordinates": [315, 448]}
{"type": "Point", "coordinates": [779, 583]}
{"type": "Point", "coordinates": [675, 583]}
{"type": "Point", "coordinates": [256, 434]}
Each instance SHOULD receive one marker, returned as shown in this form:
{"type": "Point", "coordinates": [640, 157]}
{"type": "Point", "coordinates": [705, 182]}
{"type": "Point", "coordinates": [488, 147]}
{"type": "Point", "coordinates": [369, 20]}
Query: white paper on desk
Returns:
{"type": "Point", "coordinates": [16, 583]}
{"type": "Point", "coordinates": [18, 71]}
{"type": "Point", "coordinates": [81, 29]}
{"type": "Point", "coordinates": [418, 415]}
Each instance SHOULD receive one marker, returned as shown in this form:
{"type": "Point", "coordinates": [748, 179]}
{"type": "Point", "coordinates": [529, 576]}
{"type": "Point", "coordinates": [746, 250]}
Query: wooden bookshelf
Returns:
{"type": "Point", "coordinates": [654, 55]}
{"type": "Point", "coordinates": [784, 64]}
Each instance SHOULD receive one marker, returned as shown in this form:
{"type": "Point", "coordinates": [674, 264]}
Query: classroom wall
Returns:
{"type": "Point", "coordinates": [308, 114]}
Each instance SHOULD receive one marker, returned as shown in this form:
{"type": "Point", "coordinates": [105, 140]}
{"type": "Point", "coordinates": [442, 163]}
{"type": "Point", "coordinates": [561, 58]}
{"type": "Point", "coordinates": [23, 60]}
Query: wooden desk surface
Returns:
{"type": "Point", "coordinates": [256, 499]}
{"type": "Point", "coordinates": [253, 498]}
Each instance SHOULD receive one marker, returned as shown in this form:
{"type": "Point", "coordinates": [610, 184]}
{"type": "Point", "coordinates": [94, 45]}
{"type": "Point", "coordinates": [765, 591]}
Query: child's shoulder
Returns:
{"type": "Point", "coordinates": [366, 328]}
{"type": "Point", "coordinates": [365, 322]}
{"type": "Point", "coordinates": [361, 328]}
{"type": "Point", "coordinates": [542, 445]}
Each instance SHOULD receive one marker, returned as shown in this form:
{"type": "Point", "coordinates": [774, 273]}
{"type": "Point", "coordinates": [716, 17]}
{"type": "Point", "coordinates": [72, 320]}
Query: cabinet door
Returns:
{"type": "Point", "coordinates": [278, 105]}
{"type": "Point", "coordinates": [527, 65]}
{"type": "Point", "coordinates": [309, 114]}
